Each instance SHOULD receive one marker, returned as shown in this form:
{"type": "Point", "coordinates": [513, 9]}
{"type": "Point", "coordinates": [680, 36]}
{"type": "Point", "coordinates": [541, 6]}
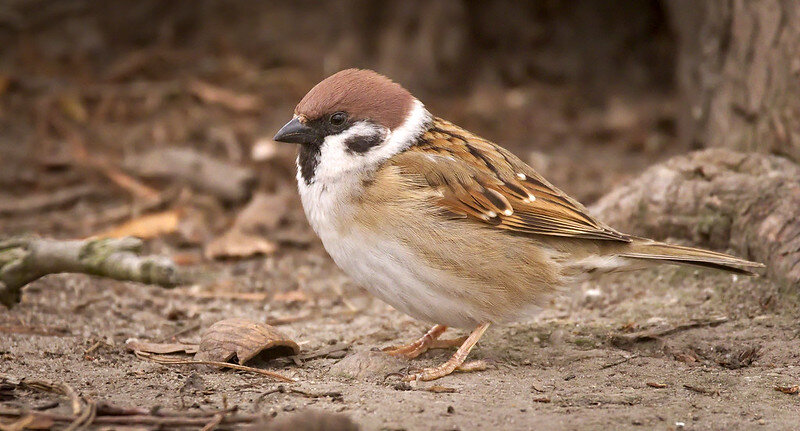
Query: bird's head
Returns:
{"type": "Point", "coordinates": [352, 121]}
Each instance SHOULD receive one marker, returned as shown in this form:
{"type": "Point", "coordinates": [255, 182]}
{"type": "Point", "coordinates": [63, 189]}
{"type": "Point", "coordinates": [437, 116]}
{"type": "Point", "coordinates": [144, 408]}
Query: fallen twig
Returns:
{"type": "Point", "coordinates": [84, 159]}
{"type": "Point", "coordinates": [621, 361]}
{"type": "Point", "coordinates": [35, 330]}
{"type": "Point", "coordinates": [178, 361]}
{"type": "Point", "coordinates": [700, 390]}
{"type": "Point", "coordinates": [57, 388]}
{"type": "Point", "coordinates": [45, 201]}
{"type": "Point", "coordinates": [650, 335]}
{"type": "Point", "coordinates": [221, 178]}
{"type": "Point", "coordinates": [161, 419]}
{"type": "Point", "coordinates": [216, 420]}
{"type": "Point", "coordinates": [23, 260]}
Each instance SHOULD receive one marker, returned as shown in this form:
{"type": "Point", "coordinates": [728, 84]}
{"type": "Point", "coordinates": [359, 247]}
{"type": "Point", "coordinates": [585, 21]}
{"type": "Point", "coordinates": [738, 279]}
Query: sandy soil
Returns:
{"type": "Point", "coordinates": [578, 365]}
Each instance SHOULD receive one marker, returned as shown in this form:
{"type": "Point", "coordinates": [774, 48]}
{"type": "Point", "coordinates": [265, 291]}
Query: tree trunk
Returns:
{"type": "Point", "coordinates": [739, 73]}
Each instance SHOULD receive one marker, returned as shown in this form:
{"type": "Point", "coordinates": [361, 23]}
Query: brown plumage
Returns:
{"type": "Point", "coordinates": [442, 224]}
{"type": "Point", "coordinates": [486, 183]}
{"type": "Point", "coordinates": [363, 94]}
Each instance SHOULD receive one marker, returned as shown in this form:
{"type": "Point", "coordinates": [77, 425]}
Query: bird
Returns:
{"type": "Point", "coordinates": [443, 225]}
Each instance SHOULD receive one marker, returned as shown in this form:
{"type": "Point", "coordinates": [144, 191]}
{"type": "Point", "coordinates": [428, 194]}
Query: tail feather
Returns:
{"type": "Point", "coordinates": [652, 250]}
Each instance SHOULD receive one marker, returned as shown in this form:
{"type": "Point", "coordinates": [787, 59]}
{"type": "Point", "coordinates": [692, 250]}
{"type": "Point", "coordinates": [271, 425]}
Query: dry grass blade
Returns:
{"type": "Point", "coordinates": [84, 411]}
{"type": "Point", "coordinates": [85, 418]}
{"type": "Point", "coordinates": [178, 361]}
{"type": "Point", "coordinates": [135, 345]}
{"type": "Point", "coordinates": [234, 101]}
{"type": "Point", "coordinates": [60, 388]}
{"type": "Point", "coordinates": [214, 422]}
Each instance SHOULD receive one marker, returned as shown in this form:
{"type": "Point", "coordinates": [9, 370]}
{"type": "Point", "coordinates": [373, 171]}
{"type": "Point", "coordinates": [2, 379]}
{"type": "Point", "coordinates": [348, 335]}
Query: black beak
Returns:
{"type": "Point", "coordinates": [295, 132]}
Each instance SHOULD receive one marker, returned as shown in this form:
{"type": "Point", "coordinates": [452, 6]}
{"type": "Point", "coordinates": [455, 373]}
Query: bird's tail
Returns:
{"type": "Point", "coordinates": [646, 249]}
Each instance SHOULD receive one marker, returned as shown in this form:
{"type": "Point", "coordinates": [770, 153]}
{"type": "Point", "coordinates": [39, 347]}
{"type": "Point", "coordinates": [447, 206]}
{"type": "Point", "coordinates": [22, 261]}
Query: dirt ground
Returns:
{"type": "Point", "coordinates": [667, 348]}
{"type": "Point", "coordinates": [575, 366]}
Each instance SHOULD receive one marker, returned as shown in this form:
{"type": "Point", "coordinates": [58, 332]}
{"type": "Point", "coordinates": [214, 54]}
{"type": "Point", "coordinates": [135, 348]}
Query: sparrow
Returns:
{"type": "Point", "coordinates": [444, 225]}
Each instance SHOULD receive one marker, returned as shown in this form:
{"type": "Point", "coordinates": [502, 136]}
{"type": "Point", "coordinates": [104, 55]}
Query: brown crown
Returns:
{"type": "Point", "coordinates": [361, 93]}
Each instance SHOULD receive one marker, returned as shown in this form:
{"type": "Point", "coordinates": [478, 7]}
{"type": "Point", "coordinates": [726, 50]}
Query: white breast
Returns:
{"type": "Point", "coordinates": [375, 260]}
{"type": "Point", "coordinates": [383, 266]}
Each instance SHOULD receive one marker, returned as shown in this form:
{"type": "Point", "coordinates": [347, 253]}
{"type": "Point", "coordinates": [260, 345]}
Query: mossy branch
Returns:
{"type": "Point", "coordinates": [25, 259]}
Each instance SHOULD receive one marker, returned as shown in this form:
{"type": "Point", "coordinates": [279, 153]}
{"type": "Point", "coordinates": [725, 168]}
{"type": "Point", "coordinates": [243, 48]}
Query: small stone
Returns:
{"type": "Point", "coordinates": [450, 410]}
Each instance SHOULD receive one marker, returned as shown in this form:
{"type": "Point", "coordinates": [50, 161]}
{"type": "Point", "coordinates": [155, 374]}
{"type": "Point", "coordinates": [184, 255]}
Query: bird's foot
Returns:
{"type": "Point", "coordinates": [427, 374]}
{"type": "Point", "coordinates": [428, 341]}
{"type": "Point", "coordinates": [456, 362]}
{"type": "Point", "coordinates": [411, 351]}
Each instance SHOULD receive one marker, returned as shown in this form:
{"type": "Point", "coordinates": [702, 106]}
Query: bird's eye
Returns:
{"type": "Point", "coordinates": [338, 118]}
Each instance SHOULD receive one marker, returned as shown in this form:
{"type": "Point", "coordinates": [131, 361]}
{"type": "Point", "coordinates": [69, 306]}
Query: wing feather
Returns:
{"type": "Point", "coordinates": [480, 180]}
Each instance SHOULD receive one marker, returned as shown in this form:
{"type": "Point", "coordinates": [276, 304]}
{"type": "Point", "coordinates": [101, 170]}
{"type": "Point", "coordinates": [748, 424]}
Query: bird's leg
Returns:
{"type": "Point", "coordinates": [456, 361]}
{"type": "Point", "coordinates": [428, 341]}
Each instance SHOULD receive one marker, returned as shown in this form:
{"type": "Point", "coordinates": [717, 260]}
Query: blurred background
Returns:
{"type": "Point", "coordinates": [585, 91]}
{"type": "Point", "coordinates": [155, 118]}
{"type": "Point", "coordinates": [112, 110]}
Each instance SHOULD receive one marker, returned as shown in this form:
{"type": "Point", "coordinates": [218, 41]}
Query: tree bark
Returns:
{"type": "Point", "coordinates": [719, 199]}
{"type": "Point", "coordinates": [738, 74]}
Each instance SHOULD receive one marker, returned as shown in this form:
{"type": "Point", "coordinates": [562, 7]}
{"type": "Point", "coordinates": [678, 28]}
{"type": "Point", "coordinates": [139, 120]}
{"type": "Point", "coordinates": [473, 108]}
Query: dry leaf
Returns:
{"type": "Point", "coordinates": [146, 226]}
{"type": "Point", "coordinates": [247, 235]}
{"type": "Point", "coordinates": [136, 345]}
{"type": "Point", "coordinates": [291, 296]}
{"type": "Point", "coordinates": [791, 390]}
{"type": "Point", "coordinates": [264, 212]}
{"type": "Point", "coordinates": [237, 244]}
{"type": "Point", "coordinates": [245, 340]}
{"type": "Point", "coordinates": [186, 258]}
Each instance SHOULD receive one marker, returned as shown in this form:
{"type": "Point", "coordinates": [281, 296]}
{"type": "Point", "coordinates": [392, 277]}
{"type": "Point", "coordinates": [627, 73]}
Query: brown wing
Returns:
{"type": "Point", "coordinates": [485, 182]}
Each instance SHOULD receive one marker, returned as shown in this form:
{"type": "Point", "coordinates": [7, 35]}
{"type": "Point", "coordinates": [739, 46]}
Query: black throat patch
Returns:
{"type": "Point", "coordinates": [307, 160]}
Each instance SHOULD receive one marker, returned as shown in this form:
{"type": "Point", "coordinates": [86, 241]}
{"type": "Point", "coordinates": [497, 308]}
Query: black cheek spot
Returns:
{"type": "Point", "coordinates": [362, 144]}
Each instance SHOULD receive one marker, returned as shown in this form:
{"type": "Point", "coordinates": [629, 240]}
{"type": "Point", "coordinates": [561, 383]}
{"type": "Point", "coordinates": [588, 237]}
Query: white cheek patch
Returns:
{"type": "Point", "coordinates": [337, 160]}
